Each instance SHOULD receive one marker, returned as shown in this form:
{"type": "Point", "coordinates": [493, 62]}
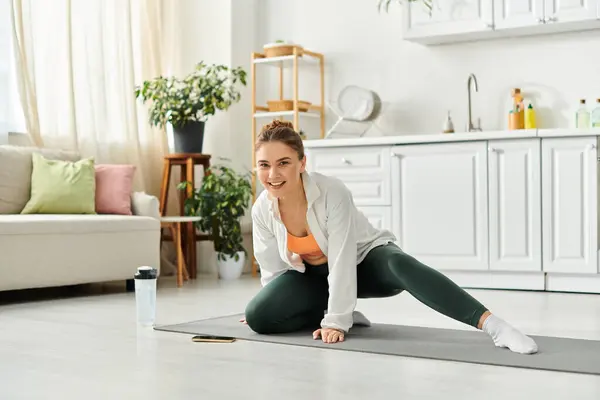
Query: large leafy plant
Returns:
{"type": "Point", "coordinates": [197, 96]}
{"type": "Point", "coordinates": [221, 201]}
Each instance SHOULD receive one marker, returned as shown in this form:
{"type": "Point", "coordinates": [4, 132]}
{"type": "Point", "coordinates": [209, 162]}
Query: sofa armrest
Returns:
{"type": "Point", "coordinates": [145, 205]}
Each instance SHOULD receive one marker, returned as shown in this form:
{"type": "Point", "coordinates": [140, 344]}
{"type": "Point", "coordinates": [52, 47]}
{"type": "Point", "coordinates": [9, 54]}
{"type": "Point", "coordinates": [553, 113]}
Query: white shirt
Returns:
{"type": "Point", "coordinates": [342, 232]}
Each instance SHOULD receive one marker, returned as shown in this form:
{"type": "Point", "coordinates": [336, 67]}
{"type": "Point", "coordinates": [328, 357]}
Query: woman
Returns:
{"type": "Point", "coordinates": [317, 254]}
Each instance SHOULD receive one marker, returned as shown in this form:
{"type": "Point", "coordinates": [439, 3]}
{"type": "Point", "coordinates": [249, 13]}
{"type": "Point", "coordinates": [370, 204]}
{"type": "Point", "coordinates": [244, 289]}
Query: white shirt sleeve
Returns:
{"type": "Point", "coordinates": [265, 249]}
{"type": "Point", "coordinates": [342, 258]}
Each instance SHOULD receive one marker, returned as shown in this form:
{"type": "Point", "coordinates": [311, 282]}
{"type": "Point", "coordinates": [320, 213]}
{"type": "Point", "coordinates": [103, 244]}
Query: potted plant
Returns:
{"type": "Point", "coordinates": [222, 200]}
{"type": "Point", "coordinates": [187, 103]}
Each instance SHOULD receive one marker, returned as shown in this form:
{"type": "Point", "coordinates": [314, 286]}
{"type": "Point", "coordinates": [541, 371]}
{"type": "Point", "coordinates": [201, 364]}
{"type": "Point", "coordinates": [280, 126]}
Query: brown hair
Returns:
{"type": "Point", "coordinates": [281, 131]}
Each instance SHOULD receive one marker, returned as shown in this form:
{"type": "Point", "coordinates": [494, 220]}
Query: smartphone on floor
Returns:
{"type": "Point", "coordinates": [213, 339]}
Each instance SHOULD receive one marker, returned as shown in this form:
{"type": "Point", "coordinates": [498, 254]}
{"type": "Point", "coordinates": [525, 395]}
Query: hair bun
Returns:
{"type": "Point", "coordinates": [277, 124]}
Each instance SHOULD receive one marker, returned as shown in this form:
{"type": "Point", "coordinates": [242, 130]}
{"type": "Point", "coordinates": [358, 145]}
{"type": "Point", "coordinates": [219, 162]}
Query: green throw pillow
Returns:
{"type": "Point", "coordinates": [62, 187]}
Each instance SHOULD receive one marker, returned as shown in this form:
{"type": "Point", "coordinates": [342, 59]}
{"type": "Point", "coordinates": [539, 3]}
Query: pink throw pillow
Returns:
{"type": "Point", "coordinates": [114, 183]}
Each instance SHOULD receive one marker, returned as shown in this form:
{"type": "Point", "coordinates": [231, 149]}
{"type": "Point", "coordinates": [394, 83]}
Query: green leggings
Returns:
{"type": "Point", "coordinates": [296, 301]}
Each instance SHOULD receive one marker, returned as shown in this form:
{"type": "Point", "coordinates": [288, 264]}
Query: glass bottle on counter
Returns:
{"type": "Point", "coordinates": [582, 117]}
{"type": "Point", "coordinates": [596, 115]}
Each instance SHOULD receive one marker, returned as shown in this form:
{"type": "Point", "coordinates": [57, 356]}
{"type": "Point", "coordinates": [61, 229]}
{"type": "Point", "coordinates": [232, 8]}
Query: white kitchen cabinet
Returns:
{"type": "Point", "coordinates": [499, 212]}
{"type": "Point", "coordinates": [379, 217]}
{"type": "Point", "coordinates": [509, 14]}
{"type": "Point", "coordinates": [366, 172]}
{"type": "Point", "coordinates": [450, 17]}
{"type": "Point", "coordinates": [569, 204]}
{"type": "Point", "coordinates": [515, 205]}
{"type": "Point", "coordinates": [470, 20]}
{"type": "Point", "coordinates": [440, 203]}
{"type": "Point", "coordinates": [559, 11]}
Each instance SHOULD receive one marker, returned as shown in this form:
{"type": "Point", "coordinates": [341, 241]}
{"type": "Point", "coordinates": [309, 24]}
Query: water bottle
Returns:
{"type": "Point", "coordinates": [145, 295]}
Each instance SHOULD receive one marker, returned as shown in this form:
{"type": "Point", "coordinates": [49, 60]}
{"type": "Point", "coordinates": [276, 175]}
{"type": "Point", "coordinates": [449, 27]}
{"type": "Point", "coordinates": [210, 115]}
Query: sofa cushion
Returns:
{"type": "Point", "coordinates": [62, 187]}
{"type": "Point", "coordinates": [16, 166]}
{"type": "Point", "coordinates": [114, 183]}
{"type": "Point", "coordinates": [56, 224]}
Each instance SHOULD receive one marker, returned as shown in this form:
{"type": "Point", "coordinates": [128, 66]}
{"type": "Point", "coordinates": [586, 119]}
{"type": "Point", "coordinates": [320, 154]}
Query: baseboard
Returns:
{"type": "Point", "coordinates": [497, 280]}
{"type": "Point", "coordinates": [577, 283]}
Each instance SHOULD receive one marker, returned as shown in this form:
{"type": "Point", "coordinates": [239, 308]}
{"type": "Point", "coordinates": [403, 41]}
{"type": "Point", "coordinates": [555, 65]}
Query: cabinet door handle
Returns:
{"type": "Point", "coordinates": [541, 20]}
{"type": "Point", "coordinates": [346, 161]}
{"type": "Point", "coordinates": [492, 150]}
{"type": "Point", "coordinates": [591, 146]}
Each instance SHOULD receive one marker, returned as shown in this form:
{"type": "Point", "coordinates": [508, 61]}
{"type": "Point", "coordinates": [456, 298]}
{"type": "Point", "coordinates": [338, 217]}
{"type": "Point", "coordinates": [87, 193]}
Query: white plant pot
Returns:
{"type": "Point", "coordinates": [230, 268]}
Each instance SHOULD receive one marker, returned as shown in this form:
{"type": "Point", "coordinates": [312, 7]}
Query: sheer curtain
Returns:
{"type": "Point", "coordinates": [11, 118]}
{"type": "Point", "coordinates": [77, 65]}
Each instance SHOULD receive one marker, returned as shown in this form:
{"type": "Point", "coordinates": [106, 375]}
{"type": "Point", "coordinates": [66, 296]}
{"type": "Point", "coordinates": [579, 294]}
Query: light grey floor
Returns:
{"type": "Point", "coordinates": [85, 345]}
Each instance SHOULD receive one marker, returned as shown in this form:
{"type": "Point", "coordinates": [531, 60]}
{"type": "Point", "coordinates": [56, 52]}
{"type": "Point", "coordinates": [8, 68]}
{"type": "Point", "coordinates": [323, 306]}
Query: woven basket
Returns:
{"type": "Point", "coordinates": [279, 50]}
{"type": "Point", "coordinates": [287, 105]}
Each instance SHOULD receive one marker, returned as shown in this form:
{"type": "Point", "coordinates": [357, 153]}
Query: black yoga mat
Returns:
{"type": "Point", "coordinates": [555, 353]}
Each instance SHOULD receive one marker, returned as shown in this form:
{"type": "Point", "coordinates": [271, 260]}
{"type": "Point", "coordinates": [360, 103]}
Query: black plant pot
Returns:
{"type": "Point", "coordinates": [189, 138]}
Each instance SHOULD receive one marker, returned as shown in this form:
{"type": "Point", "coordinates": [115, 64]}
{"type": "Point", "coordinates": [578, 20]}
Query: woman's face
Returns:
{"type": "Point", "coordinates": [279, 169]}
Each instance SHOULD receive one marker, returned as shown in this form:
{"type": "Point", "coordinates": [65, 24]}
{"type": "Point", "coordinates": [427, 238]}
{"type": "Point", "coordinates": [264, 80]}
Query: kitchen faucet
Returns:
{"type": "Point", "coordinates": [472, 78]}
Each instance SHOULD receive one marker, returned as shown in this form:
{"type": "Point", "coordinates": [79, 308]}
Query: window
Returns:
{"type": "Point", "coordinates": [11, 118]}
{"type": "Point", "coordinates": [4, 64]}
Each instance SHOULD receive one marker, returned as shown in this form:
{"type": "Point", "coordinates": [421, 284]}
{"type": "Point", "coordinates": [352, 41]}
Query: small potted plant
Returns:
{"type": "Point", "coordinates": [187, 103]}
{"type": "Point", "coordinates": [222, 200]}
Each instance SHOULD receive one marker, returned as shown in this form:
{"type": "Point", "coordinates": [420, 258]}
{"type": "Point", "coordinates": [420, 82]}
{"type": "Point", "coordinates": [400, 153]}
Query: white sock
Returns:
{"type": "Point", "coordinates": [360, 319]}
{"type": "Point", "coordinates": [505, 335]}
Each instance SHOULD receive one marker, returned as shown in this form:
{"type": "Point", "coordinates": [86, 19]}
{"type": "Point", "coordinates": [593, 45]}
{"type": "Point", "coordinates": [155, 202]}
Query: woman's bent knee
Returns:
{"type": "Point", "coordinates": [257, 318]}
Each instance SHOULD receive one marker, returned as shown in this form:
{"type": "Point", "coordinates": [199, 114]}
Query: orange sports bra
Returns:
{"type": "Point", "coordinates": [307, 247]}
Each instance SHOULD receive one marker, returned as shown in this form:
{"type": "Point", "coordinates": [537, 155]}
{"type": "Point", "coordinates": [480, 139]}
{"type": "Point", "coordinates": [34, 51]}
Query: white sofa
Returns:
{"type": "Point", "coordinates": [38, 250]}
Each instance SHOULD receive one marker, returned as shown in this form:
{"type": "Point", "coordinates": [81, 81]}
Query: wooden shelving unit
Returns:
{"type": "Point", "coordinates": [300, 57]}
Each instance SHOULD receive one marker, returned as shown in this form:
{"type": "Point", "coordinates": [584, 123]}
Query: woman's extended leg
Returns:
{"type": "Point", "coordinates": [293, 301]}
{"type": "Point", "coordinates": [388, 270]}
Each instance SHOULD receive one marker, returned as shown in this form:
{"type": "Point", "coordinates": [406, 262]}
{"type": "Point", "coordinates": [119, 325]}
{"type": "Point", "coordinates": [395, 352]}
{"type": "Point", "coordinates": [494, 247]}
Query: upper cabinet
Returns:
{"type": "Point", "coordinates": [509, 14]}
{"type": "Point", "coordinates": [468, 20]}
{"type": "Point", "coordinates": [451, 17]}
{"type": "Point", "coordinates": [571, 10]}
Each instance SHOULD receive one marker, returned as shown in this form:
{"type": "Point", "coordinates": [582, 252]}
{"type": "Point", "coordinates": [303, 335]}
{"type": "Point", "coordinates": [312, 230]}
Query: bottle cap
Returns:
{"type": "Point", "coordinates": [582, 101]}
{"type": "Point", "coordinates": [530, 106]}
{"type": "Point", "coordinates": [146, 273]}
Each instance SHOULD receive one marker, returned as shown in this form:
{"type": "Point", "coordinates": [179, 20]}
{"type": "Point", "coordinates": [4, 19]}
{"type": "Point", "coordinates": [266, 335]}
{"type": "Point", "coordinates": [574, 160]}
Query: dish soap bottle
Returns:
{"type": "Point", "coordinates": [530, 117]}
{"type": "Point", "coordinates": [596, 115]}
{"type": "Point", "coordinates": [582, 117]}
{"type": "Point", "coordinates": [448, 125]}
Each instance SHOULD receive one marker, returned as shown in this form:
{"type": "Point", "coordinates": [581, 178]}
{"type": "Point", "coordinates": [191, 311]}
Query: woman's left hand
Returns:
{"type": "Point", "coordinates": [329, 335]}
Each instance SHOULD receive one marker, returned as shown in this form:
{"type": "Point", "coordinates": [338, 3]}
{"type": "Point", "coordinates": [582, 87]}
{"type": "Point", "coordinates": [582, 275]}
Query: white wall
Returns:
{"type": "Point", "coordinates": [418, 83]}
{"type": "Point", "coordinates": [220, 32]}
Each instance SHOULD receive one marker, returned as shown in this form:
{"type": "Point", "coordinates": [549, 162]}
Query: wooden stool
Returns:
{"type": "Point", "coordinates": [174, 225]}
{"type": "Point", "coordinates": [187, 161]}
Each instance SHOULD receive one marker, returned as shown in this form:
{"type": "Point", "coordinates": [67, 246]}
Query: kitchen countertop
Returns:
{"type": "Point", "coordinates": [452, 137]}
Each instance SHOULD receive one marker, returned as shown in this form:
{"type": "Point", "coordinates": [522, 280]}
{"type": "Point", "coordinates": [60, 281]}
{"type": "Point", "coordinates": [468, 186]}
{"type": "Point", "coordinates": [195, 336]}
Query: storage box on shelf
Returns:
{"type": "Point", "coordinates": [285, 56]}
